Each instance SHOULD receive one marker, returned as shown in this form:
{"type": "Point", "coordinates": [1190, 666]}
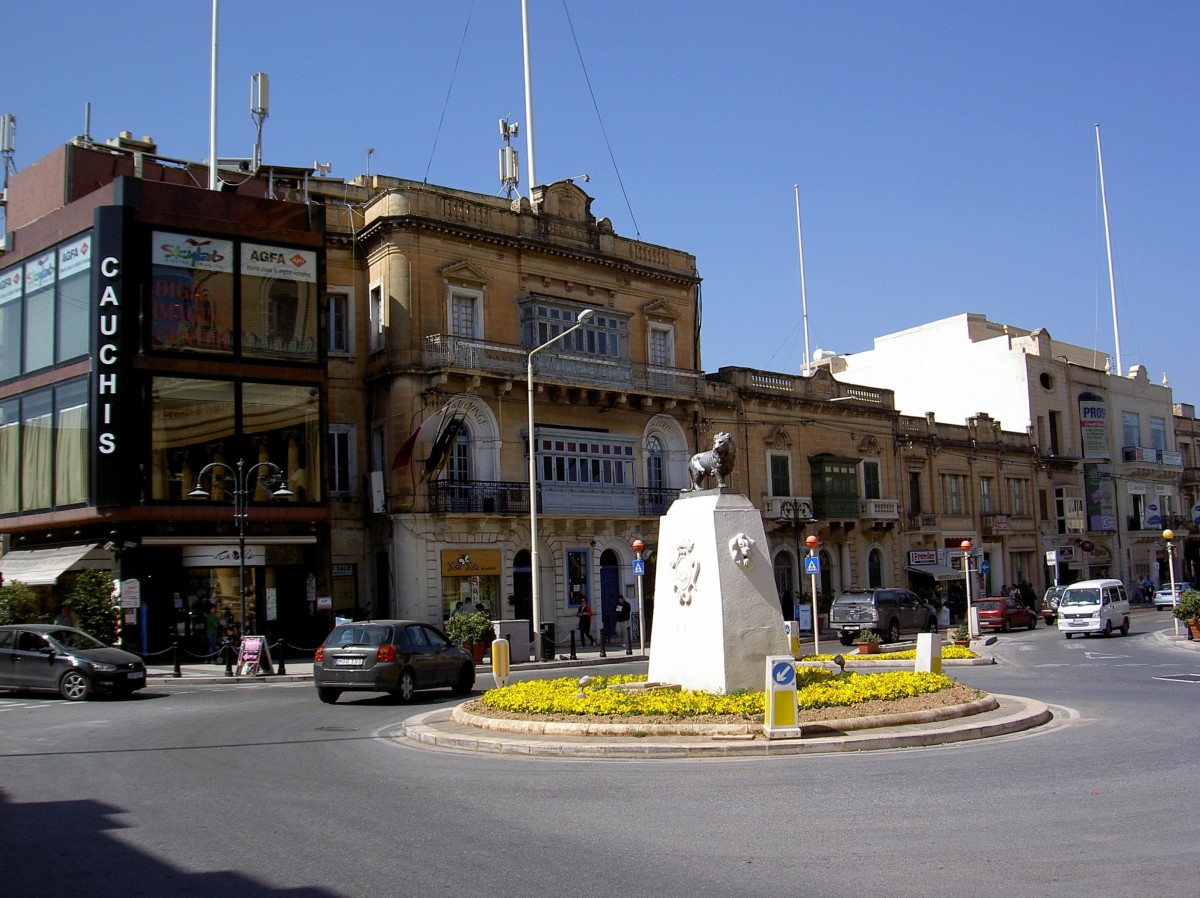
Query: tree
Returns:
{"type": "Point", "coordinates": [92, 603]}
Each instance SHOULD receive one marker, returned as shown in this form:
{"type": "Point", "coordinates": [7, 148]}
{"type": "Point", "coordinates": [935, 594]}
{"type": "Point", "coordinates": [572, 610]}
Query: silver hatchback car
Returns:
{"type": "Point", "coordinates": [394, 656]}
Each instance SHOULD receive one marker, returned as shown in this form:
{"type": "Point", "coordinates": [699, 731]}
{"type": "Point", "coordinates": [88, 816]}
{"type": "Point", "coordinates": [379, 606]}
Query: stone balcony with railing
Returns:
{"type": "Point", "coordinates": [443, 351]}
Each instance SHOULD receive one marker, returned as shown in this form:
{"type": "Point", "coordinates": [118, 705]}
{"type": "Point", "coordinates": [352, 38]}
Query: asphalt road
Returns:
{"type": "Point", "coordinates": [262, 790]}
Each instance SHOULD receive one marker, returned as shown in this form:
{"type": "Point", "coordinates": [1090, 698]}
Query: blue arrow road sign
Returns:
{"type": "Point", "coordinates": [812, 564]}
{"type": "Point", "coordinates": [985, 567]}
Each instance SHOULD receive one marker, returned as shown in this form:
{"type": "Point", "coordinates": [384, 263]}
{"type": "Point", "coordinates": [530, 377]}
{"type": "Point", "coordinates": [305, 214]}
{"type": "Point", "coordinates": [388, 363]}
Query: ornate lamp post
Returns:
{"type": "Point", "coordinates": [535, 573]}
{"type": "Point", "coordinates": [1169, 536]}
{"type": "Point", "coordinates": [797, 514]}
{"type": "Point", "coordinates": [243, 479]}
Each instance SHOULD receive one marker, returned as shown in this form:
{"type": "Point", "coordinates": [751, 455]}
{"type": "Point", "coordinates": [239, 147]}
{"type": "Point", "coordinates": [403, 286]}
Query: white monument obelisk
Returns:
{"type": "Point", "coordinates": [716, 609]}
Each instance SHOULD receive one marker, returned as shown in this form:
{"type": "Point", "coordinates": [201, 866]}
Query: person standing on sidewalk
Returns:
{"type": "Point", "coordinates": [585, 624]}
{"type": "Point", "coordinates": [622, 609]}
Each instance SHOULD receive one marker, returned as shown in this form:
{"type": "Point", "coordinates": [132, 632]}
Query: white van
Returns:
{"type": "Point", "coordinates": [1094, 606]}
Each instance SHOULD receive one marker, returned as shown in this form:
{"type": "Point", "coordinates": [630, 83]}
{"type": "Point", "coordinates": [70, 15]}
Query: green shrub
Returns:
{"type": "Point", "coordinates": [92, 603]}
{"type": "Point", "coordinates": [1187, 607]}
{"type": "Point", "coordinates": [19, 604]}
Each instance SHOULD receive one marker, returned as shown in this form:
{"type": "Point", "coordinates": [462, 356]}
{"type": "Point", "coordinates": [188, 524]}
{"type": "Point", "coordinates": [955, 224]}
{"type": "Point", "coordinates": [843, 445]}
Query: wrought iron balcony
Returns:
{"type": "Point", "coordinates": [923, 521]}
{"type": "Point", "coordinates": [479, 497]}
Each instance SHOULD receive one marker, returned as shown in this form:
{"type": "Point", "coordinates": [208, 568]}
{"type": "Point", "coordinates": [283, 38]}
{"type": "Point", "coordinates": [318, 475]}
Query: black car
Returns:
{"type": "Point", "coordinates": [58, 659]}
{"type": "Point", "coordinates": [394, 656]}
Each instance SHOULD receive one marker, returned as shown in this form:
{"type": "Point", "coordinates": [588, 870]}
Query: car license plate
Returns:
{"type": "Point", "coordinates": [136, 674]}
{"type": "Point", "coordinates": [347, 662]}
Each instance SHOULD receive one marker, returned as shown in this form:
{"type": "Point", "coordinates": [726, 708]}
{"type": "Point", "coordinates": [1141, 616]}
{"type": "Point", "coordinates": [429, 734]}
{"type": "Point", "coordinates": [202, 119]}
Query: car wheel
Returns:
{"type": "Point", "coordinates": [465, 681]}
{"type": "Point", "coordinates": [1125, 627]}
{"type": "Point", "coordinates": [74, 686]}
{"type": "Point", "coordinates": [1107, 629]}
{"type": "Point", "coordinates": [405, 686]}
{"type": "Point", "coordinates": [327, 695]}
{"type": "Point", "coordinates": [846, 640]}
{"type": "Point", "coordinates": [1067, 635]}
{"type": "Point", "coordinates": [1006, 627]}
{"type": "Point", "coordinates": [894, 631]}
{"type": "Point", "coordinates": [1032, 622]}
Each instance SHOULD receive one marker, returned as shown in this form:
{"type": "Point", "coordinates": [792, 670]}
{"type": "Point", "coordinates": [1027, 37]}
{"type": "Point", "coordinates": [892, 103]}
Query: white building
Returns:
{"type": "Point", "coordinates": [1109, 468]}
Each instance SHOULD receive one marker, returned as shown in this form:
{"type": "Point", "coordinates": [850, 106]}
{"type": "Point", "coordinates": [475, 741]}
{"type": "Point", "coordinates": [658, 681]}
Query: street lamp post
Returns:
{"type": "Point", "coordinates": [965, 545]}
{"type": "Point", "coordinates": [1169, 536]}
{"type": "Point", "coordinates": [243, 478]}
{"type": "Point", "coordinates": [791, 517]}
{"type": "Point", "coordinates": [535, 573]}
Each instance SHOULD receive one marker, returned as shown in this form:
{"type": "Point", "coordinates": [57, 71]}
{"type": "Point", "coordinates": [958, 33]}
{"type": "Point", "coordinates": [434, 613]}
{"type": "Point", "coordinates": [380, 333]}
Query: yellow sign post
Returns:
{"type": "Point", "coordinates": [781, 720]}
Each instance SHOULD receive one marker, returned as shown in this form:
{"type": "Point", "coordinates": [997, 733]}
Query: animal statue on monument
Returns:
{"type": "Point", "coordinates": [716, 462]}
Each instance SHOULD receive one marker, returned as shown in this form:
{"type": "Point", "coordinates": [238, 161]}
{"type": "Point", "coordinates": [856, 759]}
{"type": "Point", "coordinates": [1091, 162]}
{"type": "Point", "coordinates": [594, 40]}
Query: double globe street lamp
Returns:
{"type": "Point", "coordinates": [243, 478]}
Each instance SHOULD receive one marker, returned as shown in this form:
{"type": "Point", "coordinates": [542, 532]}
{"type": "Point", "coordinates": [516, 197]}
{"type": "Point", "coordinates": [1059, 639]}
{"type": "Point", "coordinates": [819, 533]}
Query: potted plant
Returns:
{"type": "Point", "coordinates": [868, 642]}
{"type": "Point", "coordinates": [1187, 609]}
{"type": "Point", "coordinates": [472, 630]}
{"type": "Point", "coordinates": [960, 635]}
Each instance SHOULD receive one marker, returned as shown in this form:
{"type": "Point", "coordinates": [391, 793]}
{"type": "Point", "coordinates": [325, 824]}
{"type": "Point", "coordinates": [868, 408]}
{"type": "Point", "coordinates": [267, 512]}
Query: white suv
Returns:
{"type": "Point", "coordinates": [1093, 606]}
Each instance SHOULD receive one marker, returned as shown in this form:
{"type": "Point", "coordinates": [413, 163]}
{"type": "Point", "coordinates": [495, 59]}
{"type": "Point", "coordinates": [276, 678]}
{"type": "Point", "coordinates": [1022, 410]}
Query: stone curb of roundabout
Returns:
{"type": "Point", "coordinates": [458, 730]}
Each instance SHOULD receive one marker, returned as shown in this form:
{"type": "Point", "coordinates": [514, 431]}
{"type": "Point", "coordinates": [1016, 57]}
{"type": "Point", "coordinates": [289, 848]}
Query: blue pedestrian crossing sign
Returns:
{"type": "Point", "coordinates": [812, 564]}
{"type": "Point", "coordinates": [639, 568]}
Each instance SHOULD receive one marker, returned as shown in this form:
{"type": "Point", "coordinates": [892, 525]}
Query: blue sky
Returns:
{"type": "Point", "coordinates": [945, 151]}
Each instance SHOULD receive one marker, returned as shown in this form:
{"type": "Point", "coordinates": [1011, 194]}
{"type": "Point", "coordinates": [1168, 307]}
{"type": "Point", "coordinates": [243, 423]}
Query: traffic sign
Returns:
{"type": "Point", "coordinates": [985, 566]}
{"type": "Point", "coordinates": [639, 568]}
{"type": "Point", "coordinates": [812, 564]}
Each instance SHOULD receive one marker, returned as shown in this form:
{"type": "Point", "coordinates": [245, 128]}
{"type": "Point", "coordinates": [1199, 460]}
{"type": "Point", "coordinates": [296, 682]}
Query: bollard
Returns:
{"type": "Point", "coordinates": [178, 672]}
{"type": "Point", "coordinates": [282, 658]}
{"type": "Point", "coordinates": [573, 645]}
{"type": "Point", "coordinates": [603, 640]}
{"type": "Point", "coordinates": [227, 651]}
{"type": "Point", "coordinates": [628, 641]}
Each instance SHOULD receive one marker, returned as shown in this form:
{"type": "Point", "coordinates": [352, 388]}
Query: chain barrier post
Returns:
{"type": "Point", "coordinates": [282, 657]}
{"type": "Point", "coordinates": [177, 673]}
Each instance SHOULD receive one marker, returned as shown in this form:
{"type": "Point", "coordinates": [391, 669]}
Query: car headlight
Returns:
{"type": "Point", "coordinates": [103, 667]}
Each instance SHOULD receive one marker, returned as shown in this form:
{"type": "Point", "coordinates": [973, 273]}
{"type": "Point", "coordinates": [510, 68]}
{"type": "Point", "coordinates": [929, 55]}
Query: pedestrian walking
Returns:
{"type": "Point", "coordinates": [585, 624]}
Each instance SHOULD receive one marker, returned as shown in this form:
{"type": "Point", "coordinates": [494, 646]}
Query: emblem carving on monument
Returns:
{"type": "Point", "coordinates": [687, 571]}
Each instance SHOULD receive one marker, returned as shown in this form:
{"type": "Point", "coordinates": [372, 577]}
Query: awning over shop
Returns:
{"type": "Point", "coordinates": [936, 571]}
{"type": "Point", "coordinates": [40, 567]}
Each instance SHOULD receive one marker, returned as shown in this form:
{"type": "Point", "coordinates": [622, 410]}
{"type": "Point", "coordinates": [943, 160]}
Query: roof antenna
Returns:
{"type": "Point", "coordinates": [510, 163]}
{"type": "Point", "coordinates": [260, 102]}
{"type": "Point", "coordinates": [8, 143]}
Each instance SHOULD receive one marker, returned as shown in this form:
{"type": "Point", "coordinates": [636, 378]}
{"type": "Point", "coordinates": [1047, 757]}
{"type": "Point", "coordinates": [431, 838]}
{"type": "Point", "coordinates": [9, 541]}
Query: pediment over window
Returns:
{"type": "Point", "coordinates": [659, 310]}
{"type": "Point", "coordinates": [869, 446]}
{"type": "Point", "coordinates": [778, 438]}
{"type": "Point", "coordinates": [464, 274]}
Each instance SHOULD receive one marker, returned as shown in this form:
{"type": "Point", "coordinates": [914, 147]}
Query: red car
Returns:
{"type": "Point", "coordinates": [1003, 613]}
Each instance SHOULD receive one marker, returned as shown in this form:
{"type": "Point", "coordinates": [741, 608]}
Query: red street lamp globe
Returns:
{"type": "Point", "coordinates": [811, 541]}
{"type": "Point", "coordinates": [966, 545]}
{"type": "Point", "coordinates": [638, 545]}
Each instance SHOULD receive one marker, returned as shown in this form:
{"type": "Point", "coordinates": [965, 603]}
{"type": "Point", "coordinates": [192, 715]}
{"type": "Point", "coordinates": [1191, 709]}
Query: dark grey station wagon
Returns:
{"type": "Point", "coordinates": [394, 656]}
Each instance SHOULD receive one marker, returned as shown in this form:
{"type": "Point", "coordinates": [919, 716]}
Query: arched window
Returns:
{"type": "Point", "coordinates": [875, 568]}
{"type": "Point", "coordinates": [785, 577]}
{"type": "Point", "coordinates": [654, 463]}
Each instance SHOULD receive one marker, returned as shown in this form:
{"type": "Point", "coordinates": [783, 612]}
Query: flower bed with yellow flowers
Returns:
{"type": "Point", "coordinates": [949, 653]}
{"type": "Point", "coordinates": [817, 690]}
